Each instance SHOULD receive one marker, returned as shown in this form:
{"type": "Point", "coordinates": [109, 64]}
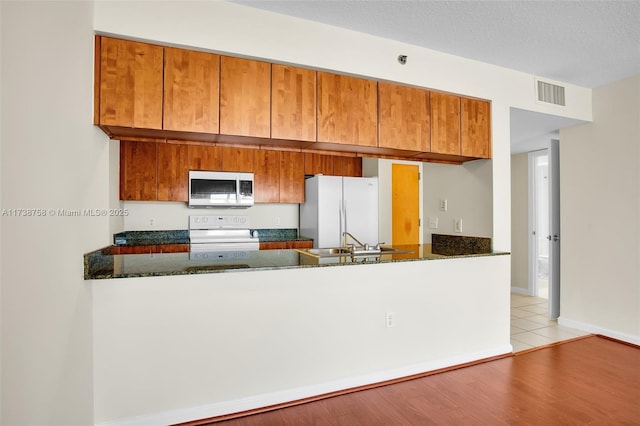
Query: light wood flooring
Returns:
{"type": "Point", "coordinates": [586, 381]}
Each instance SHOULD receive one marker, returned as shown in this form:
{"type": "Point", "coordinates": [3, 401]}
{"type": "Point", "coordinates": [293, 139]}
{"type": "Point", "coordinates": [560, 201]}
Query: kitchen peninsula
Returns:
{"type": "Point", "coordinates": [172, 257]}
{"type": "Point", "coordinates": [283, 327]}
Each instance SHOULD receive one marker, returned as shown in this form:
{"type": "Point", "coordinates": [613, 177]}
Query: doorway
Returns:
{"type": "Point", "coordinates": [544, 226]}
{"type": "Point", "coordinates": [539, 223]}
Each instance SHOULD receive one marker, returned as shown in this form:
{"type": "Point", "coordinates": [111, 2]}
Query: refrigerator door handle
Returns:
{"type": "Point", "coordinates": [340, 216]}
{"type": "Point", "coordinates": [344, 210]}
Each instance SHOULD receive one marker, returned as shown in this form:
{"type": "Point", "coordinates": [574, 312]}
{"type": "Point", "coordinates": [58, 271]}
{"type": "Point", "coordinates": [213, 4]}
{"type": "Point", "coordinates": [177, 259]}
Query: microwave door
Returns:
{"type": "Point", "coordinates": [213, 191]}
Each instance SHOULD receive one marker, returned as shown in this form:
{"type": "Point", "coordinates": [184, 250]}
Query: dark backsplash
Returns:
{"type": "Point", "coordinates": [181, 236]}
{"type": "Point", "coordinates": [451, 245]}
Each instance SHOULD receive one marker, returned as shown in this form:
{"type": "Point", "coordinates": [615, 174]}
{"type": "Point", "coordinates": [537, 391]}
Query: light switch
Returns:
{"type": "Point", "coordinates": [433, 222]}
{"type": "Point", "coordinates": [443, 205]}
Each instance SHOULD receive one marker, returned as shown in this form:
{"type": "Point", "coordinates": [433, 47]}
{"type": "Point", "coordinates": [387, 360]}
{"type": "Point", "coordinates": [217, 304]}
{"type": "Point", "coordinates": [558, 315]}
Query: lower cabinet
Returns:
{"type": "Point", "coordinates": [285, 245]}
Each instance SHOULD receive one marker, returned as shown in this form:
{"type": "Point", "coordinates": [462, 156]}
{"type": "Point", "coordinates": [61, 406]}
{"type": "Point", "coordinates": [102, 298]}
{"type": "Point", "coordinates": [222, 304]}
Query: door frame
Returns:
{"type": "Point", "coordinates": [554, 229]}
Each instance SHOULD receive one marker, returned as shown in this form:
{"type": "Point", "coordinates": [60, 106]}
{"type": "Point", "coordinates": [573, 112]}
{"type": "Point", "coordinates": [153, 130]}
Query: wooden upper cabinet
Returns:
{"type": "Point", "coordinates": [476, 128]}
{"type": "Point", "coordinates": [293, 103]}
{"type": "Point", "coordinates": [203, 157]}
{"type": "Point", "coordinates": [347, 110]}
{"type": "Point", "coordinates": [238, 159]}
{"type": "Point", "coordinates": [191, 90]}
{"type": "Point", "coordinates": [266, 179]}
{"type": "Point", "coordinates": [173, 172]}
{"type": "Point", "coordinates": [130, 92]}
{"type": "Point", "coordinates": [445, 123]}
{"type": "Point", "coordinates": [138, 171]}
{"type": "Point", "coordinates": [245, 97]}
{"type": "Point", "coordinates": [291, 177]}
{"type": "Point", "coordinates": [404, 117]}
{"type": "Point", "coordinates": [347, 166]}
{"type": "Point", "coordinates": [318, 164]}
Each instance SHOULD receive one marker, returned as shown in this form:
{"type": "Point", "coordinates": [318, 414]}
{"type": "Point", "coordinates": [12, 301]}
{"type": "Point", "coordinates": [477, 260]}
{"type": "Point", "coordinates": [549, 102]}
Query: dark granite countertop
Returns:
{"type": "Point", "coordinates": [102, 264]}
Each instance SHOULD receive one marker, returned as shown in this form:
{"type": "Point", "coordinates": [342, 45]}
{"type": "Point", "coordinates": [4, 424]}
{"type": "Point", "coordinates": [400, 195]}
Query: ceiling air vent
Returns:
{"type": "Point", "coordinates": [550, 93]}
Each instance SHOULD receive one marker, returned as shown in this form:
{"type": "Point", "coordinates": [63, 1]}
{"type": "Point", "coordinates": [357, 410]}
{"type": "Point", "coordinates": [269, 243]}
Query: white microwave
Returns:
{"type": "Point", "coordinates": [220, 189]}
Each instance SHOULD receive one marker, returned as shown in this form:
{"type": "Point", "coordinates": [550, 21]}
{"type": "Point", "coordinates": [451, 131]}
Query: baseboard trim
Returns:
{"type": "Point", "coordinates": [264, 402]}
{"type": "Point", "coordinates": [629, 338]}
{"type": "Point", "coordinates": [519, 290]}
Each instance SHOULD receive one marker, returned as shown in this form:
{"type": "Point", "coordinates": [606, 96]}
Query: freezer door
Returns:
{"type": "Point", "coordinates": [320, 214]}
{"type": "Point", "coordinates": [361, 208]}
{"type": "Point", "coordinates": [329, 211]}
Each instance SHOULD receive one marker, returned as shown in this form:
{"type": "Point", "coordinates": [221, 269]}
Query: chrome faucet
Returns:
{"type": "Point", "coordinates": [346, 236]}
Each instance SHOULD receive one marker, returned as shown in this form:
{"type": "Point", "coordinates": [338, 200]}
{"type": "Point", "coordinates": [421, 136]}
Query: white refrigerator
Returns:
{"type": "Point", "coordinates": [336, 204]}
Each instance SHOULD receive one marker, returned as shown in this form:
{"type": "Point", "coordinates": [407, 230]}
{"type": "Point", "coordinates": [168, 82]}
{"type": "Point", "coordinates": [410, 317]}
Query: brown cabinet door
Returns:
{"type": "Point", "coordinates": [203, 157]}
{"type": "Point", "coordinates": [245, 97]}
{"type": "Point", "coordinates": [299, 244]}
{"type": "Point", "coordinates": [173, 172]}
{"type": "Point", "coordinates": [315, 164]}
{"type": "Point", "coordinates": [291, 177]}
{"type": "Point", "coordinates": [130, 84]}
{"type": "Point", "coordinates": [138, 171]}
{"type": "Point", "coordinates": [273, 245]}
{"type": "Point", "coordinates": [445, 123]}
{"type": "Point", "coordinates": [237, 159]}
{"type": "Point", "coordinates": [293, 103]}
{"type": "Point", "coordinates": [476, 128]}
{"type": "Point", "coordinates": [266, 179]}
{"type": "Point", "coordinates": [347, 110]}
{"type": "Point", "coordinates": [404, 117]}
{"type": "Point", "coordinates": [347, 166]}
{"type": "Point", "coordinates": [191, 90]}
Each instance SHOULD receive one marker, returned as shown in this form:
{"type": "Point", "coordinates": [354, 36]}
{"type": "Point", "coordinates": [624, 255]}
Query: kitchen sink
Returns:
{"type": "Point", "coordinates": [348, 251]}
{"type": "Point", "coordinates": [325, 252]}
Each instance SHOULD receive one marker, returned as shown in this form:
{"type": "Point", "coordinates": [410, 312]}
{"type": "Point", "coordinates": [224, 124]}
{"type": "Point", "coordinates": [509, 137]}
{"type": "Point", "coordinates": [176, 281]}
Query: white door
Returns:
{"type": "Point", "coordinates": [539, 223]}
{"type": "Point", "coordinates": [554, 229]}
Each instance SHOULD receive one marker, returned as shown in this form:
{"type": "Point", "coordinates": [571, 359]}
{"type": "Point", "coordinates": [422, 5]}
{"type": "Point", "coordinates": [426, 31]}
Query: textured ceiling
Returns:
{"type": "Point", "coordinates": [587, 43]}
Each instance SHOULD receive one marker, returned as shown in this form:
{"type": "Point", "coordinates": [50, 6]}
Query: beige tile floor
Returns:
{"type": "Point", "coordinates": [531, 327]}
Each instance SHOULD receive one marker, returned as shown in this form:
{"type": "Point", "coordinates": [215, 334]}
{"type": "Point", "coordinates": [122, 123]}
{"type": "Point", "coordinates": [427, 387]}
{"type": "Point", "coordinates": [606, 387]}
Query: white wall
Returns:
{"type": "Point", "coordinates": [174, 215]}
{"type": "Point", "coordinates": [178, 348]}
{"type": "Point", "coordinates": [468, 191]}
{"type": "Point", "coordinates": [520, 221]}
{"type": "Point", "coordinates": [52, 158]}
{"type": "Point", "coordinates": [600, 215]}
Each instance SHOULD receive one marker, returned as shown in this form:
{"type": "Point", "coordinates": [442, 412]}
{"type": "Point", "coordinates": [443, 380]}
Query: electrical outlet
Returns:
{"type": "Point", "coordinates": [458, 225]}
{"type": "Point", "coordinates": [433, 222]}
{"type": "Point", "coordinates": [152, 222]}
{"type": "Point", "coordinates": [443, 205]}
{"type": "Point", "coordinates": [277, 220]}
{"type": "Point", "coordinates": [390, 319]}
